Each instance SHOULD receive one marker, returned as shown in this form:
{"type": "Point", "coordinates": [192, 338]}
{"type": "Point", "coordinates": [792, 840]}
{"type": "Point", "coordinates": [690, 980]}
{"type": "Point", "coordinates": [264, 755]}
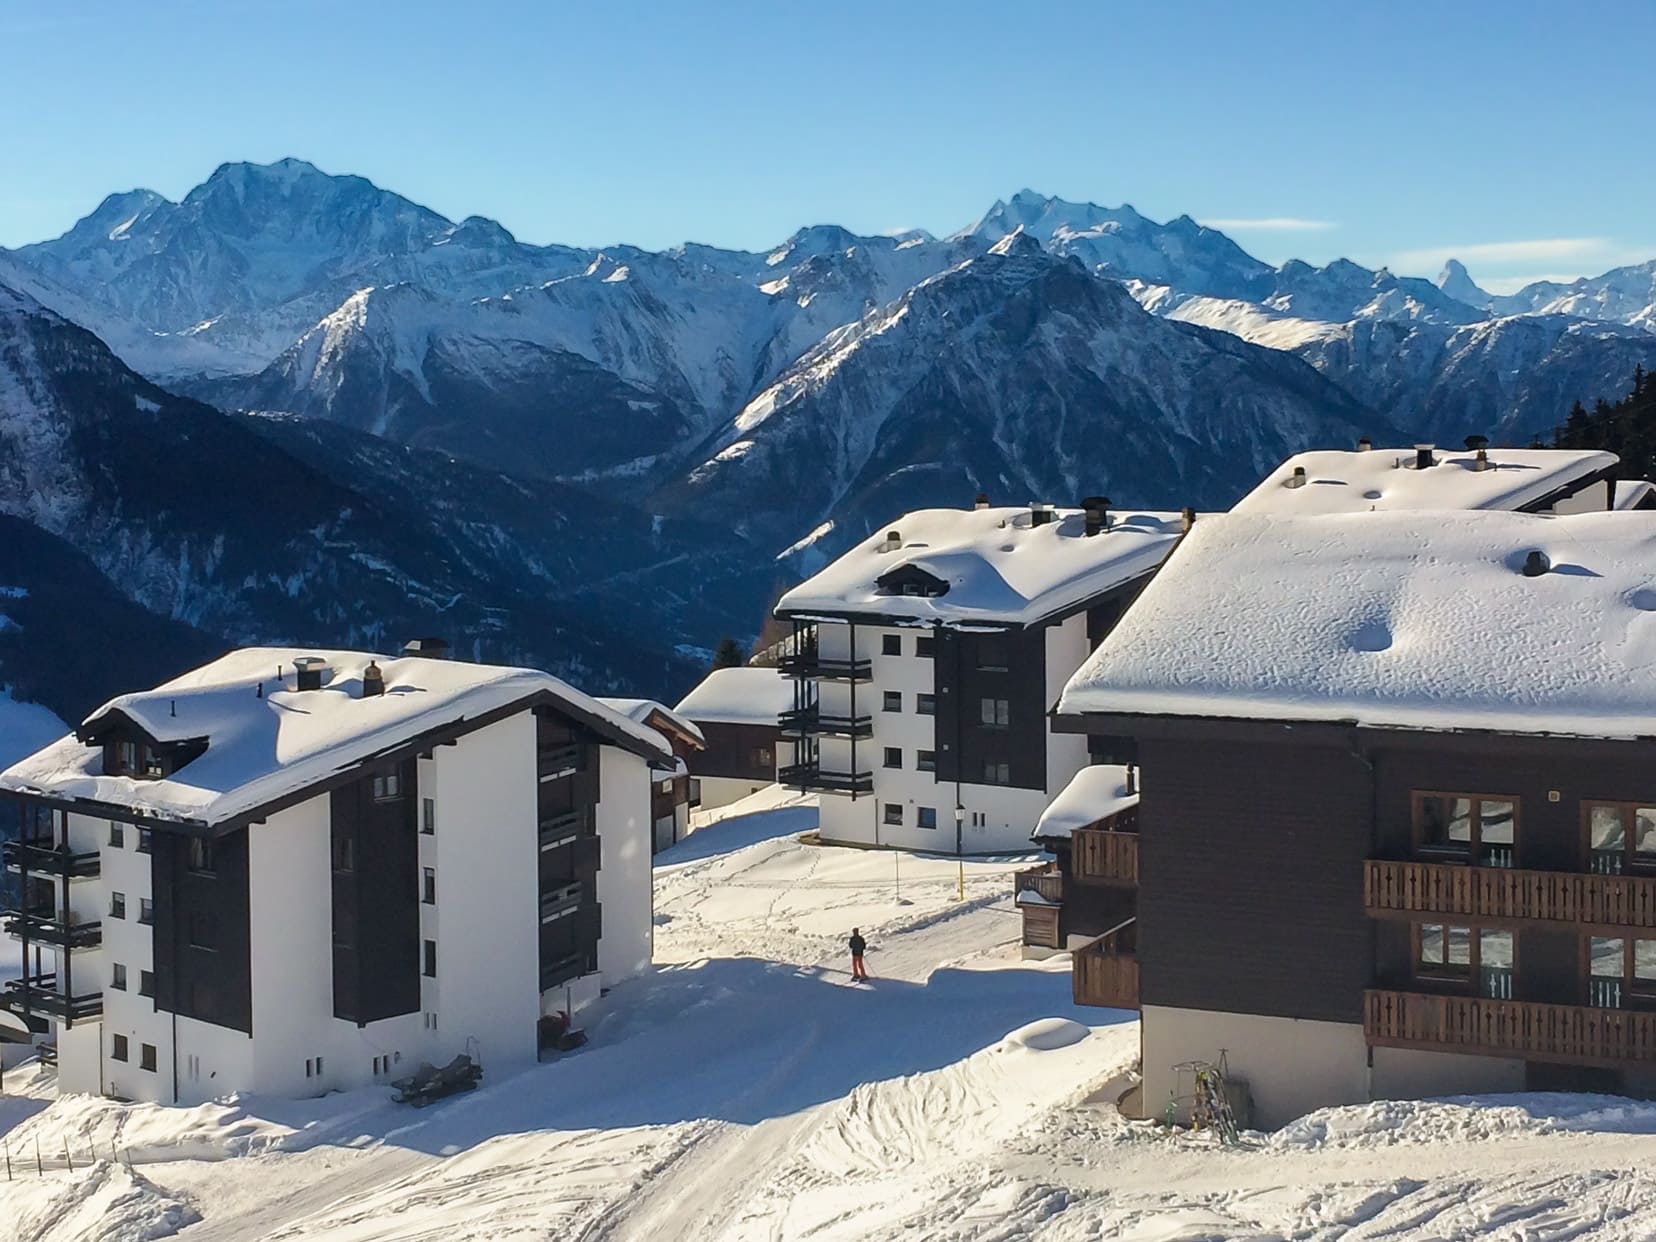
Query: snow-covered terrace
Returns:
{"type": "Point", "coordinates": [1001, 568]}
{"type": "Point", "coordinates": [1387, 478]}
{"type": "Point", "coordinates": [266, 739]}
{"type": "Point", "coordinates": [1416, 620]}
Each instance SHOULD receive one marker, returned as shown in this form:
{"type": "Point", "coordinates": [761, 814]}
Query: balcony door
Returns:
{"type": "Point", "coordinates": [1621, 837]}
{"type": "Point", "coordinates": [1478, 829]}
{"type": "Point", "coordinates": [1477, 960]}
{"type": "Point", "coordinates": [1621, 972]}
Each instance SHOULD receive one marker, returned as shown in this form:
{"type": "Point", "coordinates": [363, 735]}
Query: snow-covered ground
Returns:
{"type": "Point", "coordinates": [748, 1090]}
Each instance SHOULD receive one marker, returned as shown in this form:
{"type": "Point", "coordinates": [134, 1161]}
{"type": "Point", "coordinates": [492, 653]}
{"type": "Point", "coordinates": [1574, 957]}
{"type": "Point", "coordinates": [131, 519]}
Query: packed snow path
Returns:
{"type": "Point", "coordinates": [747, 1090]}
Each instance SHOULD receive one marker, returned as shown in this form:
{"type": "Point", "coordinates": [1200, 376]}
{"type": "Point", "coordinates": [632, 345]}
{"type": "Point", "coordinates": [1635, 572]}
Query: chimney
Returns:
{"type": "Point", "coordinates": [427, 648]}
{"type": "Point", "coordinates": [1040, 513]}
{"type": "Point", "coordinates": [1424, 460]}
{"type": "Point", "coordinates": [1132, 780]}
{"type": "Point", "coordinates": [1187, 518]}
{"type": "Point", "coordinates": [981, 500]}
{"type": "Point", "coordinates": [310, 670]}
{"type": "Point", "coordinates": [1480, 447]}
{"type": "Point", "coordinates": [1097, 511]}
{"type": "Point", "coordinates": [373, 681]}
{"type": "Point", "coordinates": [1536, 564]}
{"type": "Point", "coordinates": [1297, 479]}
{"type": "Point", "coordinates": [1364, 444]}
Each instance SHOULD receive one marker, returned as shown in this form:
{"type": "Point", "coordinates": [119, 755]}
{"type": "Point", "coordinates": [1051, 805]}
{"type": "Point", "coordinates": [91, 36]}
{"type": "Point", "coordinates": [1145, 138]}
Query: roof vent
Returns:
{"type": "Point", "coordinates": [1297, 479]}
{"type": "Point", "coordinates": [892, 541]}
{"type": "Point", "coordinates": [373, 681]}
{"type": "Point", "coordinates": [1536, 564]}
{"type": "Point", "coordinates": [1424, 458]}
{"type": "Point", "coordinates": [981, 500]}
{"type": "Point", "coordinates": [1040, 513]}
{"type": "Point", "coordinates": [427, 648]}
{"type": "Point", "coordinates": [1480, 447]}
{"type": "Point", "coordinates": [1097, 511]}
{"type": "Point", "coordinates": [1364, 444]}
{"type": "Point", "coordinates": [310, 670]}
{"type": "Point", "coordinates": [1187, 518]}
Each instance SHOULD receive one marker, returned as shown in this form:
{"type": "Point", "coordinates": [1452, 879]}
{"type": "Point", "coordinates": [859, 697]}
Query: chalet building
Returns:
{"type": "Point", "coordinates": [925, 661]}
{"type": "Point", "coordinates": [738, 712]}
{"type": "Point", "coordinates": [292, 872]}
{"type": "Point", "coordinates": [1397, 835]}
{"type": "Point", "coordinates": [677, 793]}
{"type": "Point", "coordinates": [1089, 890]}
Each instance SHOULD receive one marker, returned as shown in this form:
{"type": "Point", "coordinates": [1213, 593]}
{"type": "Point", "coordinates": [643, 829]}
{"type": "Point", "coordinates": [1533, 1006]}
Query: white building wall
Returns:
{"type": "Point", "coordinates": [717, 791]}
{"type": "Point", "coordinates": [1066, 652]}
{"type": "Point", "coordinates": [129, 942]}
{"type": "Point", "coordinates": [487, 919]}
{"type": "Point", "coordinates": [624, 880]}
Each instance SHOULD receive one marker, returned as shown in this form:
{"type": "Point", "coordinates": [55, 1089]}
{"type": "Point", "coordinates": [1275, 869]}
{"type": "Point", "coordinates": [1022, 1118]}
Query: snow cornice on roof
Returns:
{"type": "Point", "coordinates": [748, 694]}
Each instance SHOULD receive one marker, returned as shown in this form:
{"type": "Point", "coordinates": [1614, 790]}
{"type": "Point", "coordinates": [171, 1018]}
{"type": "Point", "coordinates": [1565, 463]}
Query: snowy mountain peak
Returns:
{"type": "Point", "coordinates": [1455, 281]}
{"type": "Point", "coordinates": [1017, 242]}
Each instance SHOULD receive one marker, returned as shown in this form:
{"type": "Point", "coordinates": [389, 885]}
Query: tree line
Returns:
{"type": "Point", "coordinates": [1626, 428]}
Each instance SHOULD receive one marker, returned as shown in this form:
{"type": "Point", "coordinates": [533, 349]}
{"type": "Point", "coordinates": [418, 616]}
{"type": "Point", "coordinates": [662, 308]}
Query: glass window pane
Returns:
{"type": "Point", "coordinates": [1495, 822]}
{"type": "Point", "coordinates": [1608, 957]}
{"type": "Point", "coordinates": [1460, 819]}
{"type": "Point", "coordinates": [1460, 946]}
{"type": "Point", "coordinates": [1431, 945]}
{"type": "Point", "coordinates": [1445, 821]}
{"type": "Point", "coordinates": [1607, 828]}
{"type": "Point", "coordinates": [1495, 950]}
{"type": "Point", "coordinates": [1644, 830]}
{"type": "Point", "coordinates": [1644, 961]}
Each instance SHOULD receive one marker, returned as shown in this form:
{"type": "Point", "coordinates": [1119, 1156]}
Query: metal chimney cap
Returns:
{"type": "Point", "coordinates": [1536, 564]}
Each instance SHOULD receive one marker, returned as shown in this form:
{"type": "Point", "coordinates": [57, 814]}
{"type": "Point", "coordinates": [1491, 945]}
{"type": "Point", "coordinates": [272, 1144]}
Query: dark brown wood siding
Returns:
{"type": "Point", "coordinates": [969, 668]}
{"type": "Point", "coordinates": [730, 752]}
{"type": "Point", "coordinates": [1251, 878]}
{"type": "Point", "coordinates": [202, 932]}
{"type": "Point", "coordinates": [376, 904]}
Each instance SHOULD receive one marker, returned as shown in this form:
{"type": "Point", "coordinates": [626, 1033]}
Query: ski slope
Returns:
{"type": "Point", "coordinates": [747, 1090]}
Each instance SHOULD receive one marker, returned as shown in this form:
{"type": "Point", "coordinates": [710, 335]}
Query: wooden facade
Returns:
{"type": "Point", "coordinates": [1106, 969]}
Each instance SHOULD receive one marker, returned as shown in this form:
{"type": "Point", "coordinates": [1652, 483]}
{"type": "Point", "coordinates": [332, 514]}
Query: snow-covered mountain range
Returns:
{"type": "Point", "coordinates": [777, 403]}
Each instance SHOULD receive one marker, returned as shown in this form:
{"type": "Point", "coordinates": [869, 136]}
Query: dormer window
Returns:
{"type": "Point", "coordinates": [911, 580]}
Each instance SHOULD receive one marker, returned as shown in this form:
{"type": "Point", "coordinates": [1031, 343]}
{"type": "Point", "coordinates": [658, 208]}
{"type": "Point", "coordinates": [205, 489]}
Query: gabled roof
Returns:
{"type": "Point", "coordinates": [1382, 479]}
{"type": "Point", "coordinates": [265, 745]}
{"type": "Point", "coordinates": [1416, 620]}
{"type": "Point", "coordinates": [657, 716]}
{"type": "Point", "coordinates": [1094, 793]}
{"type": "Point", "coordinates": [999, 567]}
{"type": "Point", "coordinates": [747, 694]}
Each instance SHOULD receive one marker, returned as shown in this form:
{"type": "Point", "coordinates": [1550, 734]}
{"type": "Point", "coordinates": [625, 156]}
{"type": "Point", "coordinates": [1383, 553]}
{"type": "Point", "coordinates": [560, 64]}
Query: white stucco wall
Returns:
{"type": "Point", "coordinates": [717, 791]}
{"type": "Point", "coordinates": [624, 879]}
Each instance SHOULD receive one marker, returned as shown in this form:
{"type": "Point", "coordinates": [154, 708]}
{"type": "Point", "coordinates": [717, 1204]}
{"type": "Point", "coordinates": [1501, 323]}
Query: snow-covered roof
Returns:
{"type": "Point", "coordinates": [1631, 493]}
{"type": "Point", "coordinates": [743, 695]}
{"type": "Point", "coordinates": [639, 711]}
{"type": "Point", "coordinates": [261, 748]}
{"type": "Point", "coordinates": [1381, 479]}
{"type": "Point", "coordinates": [1405, 619]}
{"type": "Point", "coordinates": [1000, 567]}
{"type": "Point", "coordinates": [1094, 793]}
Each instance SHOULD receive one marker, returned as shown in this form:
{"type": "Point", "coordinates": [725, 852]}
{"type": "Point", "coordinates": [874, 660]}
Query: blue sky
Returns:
{"type": "Point", "coordinates": [1515, 135]}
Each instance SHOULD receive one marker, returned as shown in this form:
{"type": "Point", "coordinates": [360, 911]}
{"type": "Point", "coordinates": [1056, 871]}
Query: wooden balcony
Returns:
{"type": "Point", "coordinates": [1040, 917]}
{"type": "Point", "coordinates": [1502, 895]}
{"type": "Point", "coordinates": [1105, 971]}
{"type": "Point", "coordinates": [1569, 1034]}
{"type": "Point", "coordinates": [1101, 857]}
{"type": "Point", "coordinates": [1046, 880]}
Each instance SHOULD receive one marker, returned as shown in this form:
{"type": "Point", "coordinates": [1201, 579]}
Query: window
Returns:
{"type": "Point", "coordinates": [430, 969]}
{"type": "Point", "coordinates": [117, 905]}
{"type": "Point", "coordinates": [1477, 829]}
{"type": "Point", "coordinates": [925, 816]}
{"type": "Point", "coordinates": [924, 647]}
{"type": "Point", "coordinates": [313, 1067]}
{"type": "Point", "coordinates": [1619, 969]}
{"type": "Point", "coordinates": [146, 983]}
{"type": "Point", "coordinates": [891, 644]}
{"type": "Point", "coordinates": [925, 704]}
{"type": "Point", "coordinates": [201, 855]}
{"type": "Point", "coordinates": [428, 886]}
{"type": "Point", "coordinates": [995, 713]}
{"type": "Point", "coordinates": [118, 1047]}
{"type": "Point", "coordinates": [431, 1022]}
{"type": "Point", "coordinates": [117, 835]}
{"type": "Point", "coordinates": [388, 787]}
{"type": "Point", "coordinates": [117, 977]}
{"type": "Point", "coordinates": [203, 930]}
{"type": "Point", "coordinates": [428, 816]}
{"type": "Point", "coordinates": [991, 655]}
{"type": "Point", "coordinates": [146, 1057]}
{"type": "Point", "coordinates": [925, 760]}
{"type": "Point", "coordinates": [1620, 836]}
{"type": "Point", "coordinates": [203, 999]}
{"type": "Point", "coordinates": [126, 757]}
{"type": "Point", "coordinates": [344, 852]}
{"type": "Point", "coordinates": [146, 911]}
{"type": "Point", "coordinates": [1480, 957]}
{"type": "Point", "coordinates": [894, 812]}
{"type": "Point", "coordinates": [145, 840]}
{"type": "Point", "coordinates": [997, 773]}
{"type": "Point", "coordinates": [891, 701]}
{"type": "Point", "coordinates": [894, 756]}
{"type": "Point", "coordinates": [761, 757]}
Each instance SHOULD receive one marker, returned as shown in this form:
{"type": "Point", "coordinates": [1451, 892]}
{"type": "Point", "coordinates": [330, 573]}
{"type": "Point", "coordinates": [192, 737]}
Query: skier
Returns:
{"type": "Point", "coordinates": [859, 946]}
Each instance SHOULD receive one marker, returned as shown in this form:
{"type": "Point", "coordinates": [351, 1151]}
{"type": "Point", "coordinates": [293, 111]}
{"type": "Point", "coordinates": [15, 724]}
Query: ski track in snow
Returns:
{"type": "Point", "coordinates": [746, 1091]}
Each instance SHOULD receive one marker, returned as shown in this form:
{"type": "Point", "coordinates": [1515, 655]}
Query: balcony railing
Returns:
{"type": "Point", "coordinates": [1046, 880]}
{"type": "Point", "coordinates": [562, 829]}
{"type": "Point", "coordinates": [1105, 971]}
{"type": "Point", "coordinates": [565, 968]}
{"type": "Point", "coordinates": [810, 776]}
{"type": "Point", "coordinates": [811, 664]}
{"type": "Point", "coordinates": [1502, 894]}
{"type": "Point", "coordinates": [560, 902]}
{"type": "Point", "coordinates": [1101, 857]}
{"type": "Point", "coordinates": [556, 762]}
{"type": "Point", "coordinates": [42, 858]}
{"type": "Point", "coordinates": [41, 927]}
{"type": "Point", "coordinates": [39, 995]}
{"type": "Point", "coordinates": [810, 722]}
{"type": "Point", "coordinates": [1571, 1034]}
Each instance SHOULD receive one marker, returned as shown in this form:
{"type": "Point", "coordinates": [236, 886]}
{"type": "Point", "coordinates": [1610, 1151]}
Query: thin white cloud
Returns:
{"type": "Point", "coordinates": [1511, 284]}
{"type": "Point", "coordinates": [1540, 250]}
{"type": "Point", "coordinates": [1269, 224]}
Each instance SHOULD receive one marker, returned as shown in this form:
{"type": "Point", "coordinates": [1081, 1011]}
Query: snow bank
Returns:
{"type": "Point", "coordinates": [1047, 1034]}
{"type": "Point", "coordinates": [107, 1203]}
{"type": "Point", "coordinates": [1457, 1119]}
